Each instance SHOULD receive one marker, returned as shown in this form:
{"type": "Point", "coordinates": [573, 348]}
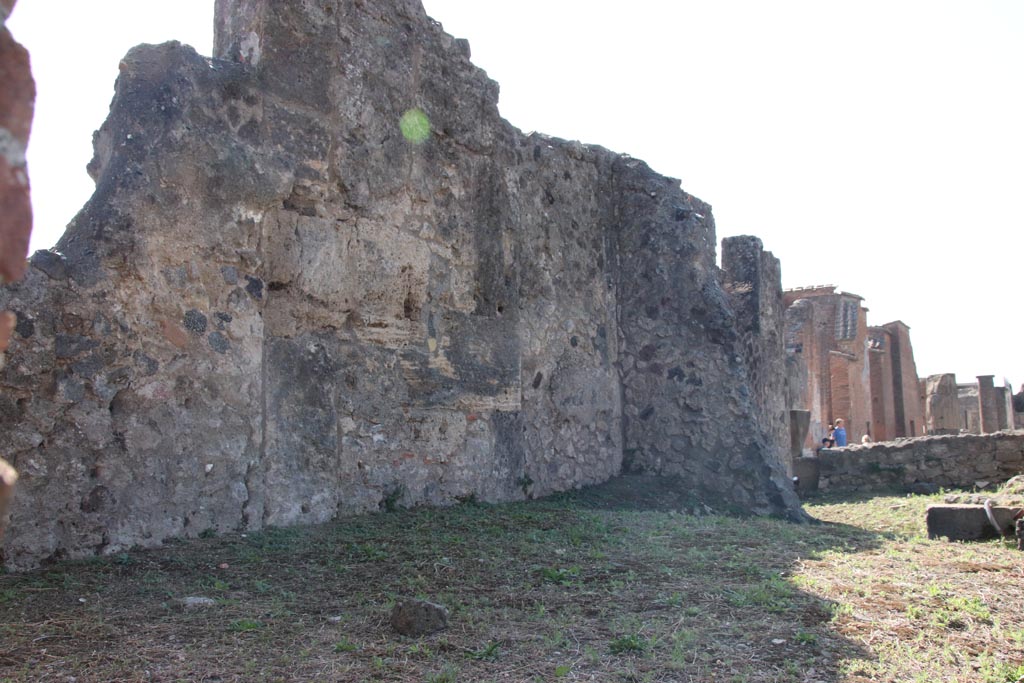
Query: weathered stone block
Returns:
{"type": "Point", "coordinates": [411, 617]}
{"type": "Point", "coordinates": [808, 474]}
{"type": "Point", "coordinates": [967, 522]}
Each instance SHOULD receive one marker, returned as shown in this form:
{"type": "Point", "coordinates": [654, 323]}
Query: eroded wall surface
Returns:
{"type": "Point", "coordinates": [277, 308]}
{"type": "Point", "coordinates": [751, 276]}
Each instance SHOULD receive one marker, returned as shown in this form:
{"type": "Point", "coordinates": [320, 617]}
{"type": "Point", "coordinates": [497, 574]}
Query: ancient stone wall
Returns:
{"type": "Point", "coordinates": [950, 460]}
{"type": "Point", "coordinates": [320, 275]}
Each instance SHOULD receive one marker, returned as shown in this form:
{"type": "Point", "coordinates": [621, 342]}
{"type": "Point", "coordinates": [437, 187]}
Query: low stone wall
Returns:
{"type": "Point", "coordinates": [949, 461]}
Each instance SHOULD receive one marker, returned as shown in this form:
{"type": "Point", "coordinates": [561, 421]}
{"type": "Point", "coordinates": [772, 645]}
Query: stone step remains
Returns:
{"type": "Point", "coordinates": [968, 522]}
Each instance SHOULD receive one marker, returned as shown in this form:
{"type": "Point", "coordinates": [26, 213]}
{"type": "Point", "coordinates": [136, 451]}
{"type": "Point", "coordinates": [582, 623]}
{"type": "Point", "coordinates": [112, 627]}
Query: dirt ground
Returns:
{"type": "Point", "coordinates": [625, 582]}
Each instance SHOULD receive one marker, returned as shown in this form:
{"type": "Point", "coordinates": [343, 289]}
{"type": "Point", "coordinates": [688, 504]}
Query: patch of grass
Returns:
{"type": "Point", "coordinates": [772, 594]}
{"type": "Point", "coordinates": [487, 652]}
{"type": "Point", "coordinates": [560, 575]}
{"type": "Point", "coordinates": [628, 644]}
{"type": "Point", "coordinates": [446, 675]}
{"type": "Point", "coordinates": [345, 645]}
{"type": "Point", "coordinates": [243, 625]}
{"type": "Point", "coordinates": [805, 638]}
{"type": "Point", "coordinates": [1004, 672]}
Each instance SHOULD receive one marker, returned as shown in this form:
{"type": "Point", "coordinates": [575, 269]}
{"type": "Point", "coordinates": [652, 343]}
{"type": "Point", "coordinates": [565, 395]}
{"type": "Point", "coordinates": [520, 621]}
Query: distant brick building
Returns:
{"type": "Point", "coordinates": [838, 367]}
{"type": "Point", "coordinates": [866, 376]}
{"type": "Point", "coordinates": [828, 331]}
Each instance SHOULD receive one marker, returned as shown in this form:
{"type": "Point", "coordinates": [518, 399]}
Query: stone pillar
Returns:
{"type": "Point", "coordinates": [1004, 408]}
{"type": "Point", "coordinates": [753, 279]}
{"type": "Point", "coordinates": [987, 405]}
{"type": "Point", "coordinates": [942, 407]}
{"type": "Point", "coordinates": [799, 423]}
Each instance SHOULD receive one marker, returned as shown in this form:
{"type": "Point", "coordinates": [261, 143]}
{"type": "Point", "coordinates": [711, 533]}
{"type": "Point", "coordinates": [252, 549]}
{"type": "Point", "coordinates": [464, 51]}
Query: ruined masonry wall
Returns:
{"type": "Point", "coordinates": [949, 460]}
{"type": "Point", "coordinates": [276, 310]}
{"type": "Point", "coordinates": [750, 276]}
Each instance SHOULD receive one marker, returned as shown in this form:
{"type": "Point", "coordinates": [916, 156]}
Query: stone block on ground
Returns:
{"type": "Point", "coordinates": [412, 617]}
{"type": "Point", "coordinates": [799, 424]}
{"type": "Point", "coordinates": [193, 603]}
{"type": "Point", "coordinates": [967, 522]}
{"type": "Point", "coordinates": [807, 471]}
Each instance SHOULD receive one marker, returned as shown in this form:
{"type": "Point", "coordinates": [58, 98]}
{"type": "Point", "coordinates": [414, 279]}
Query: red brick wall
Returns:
{"type": "Point", "coordinates": [908, 383]}
{"type": "Point", "coordinates": [838, 377]}
{"type": "Point", "coordinates": [882, 411]}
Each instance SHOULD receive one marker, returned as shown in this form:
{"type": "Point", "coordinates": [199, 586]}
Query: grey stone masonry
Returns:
{"type": "Point", "coordinates": [320, 275]}
{"type": "Point", "coordinates": [958, 461]}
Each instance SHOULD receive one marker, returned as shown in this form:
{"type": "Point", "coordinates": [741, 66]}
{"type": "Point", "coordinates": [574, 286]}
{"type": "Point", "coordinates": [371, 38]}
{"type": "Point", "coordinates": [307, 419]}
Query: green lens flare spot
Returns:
{"type": "Point", "coordinates": [415, 126]}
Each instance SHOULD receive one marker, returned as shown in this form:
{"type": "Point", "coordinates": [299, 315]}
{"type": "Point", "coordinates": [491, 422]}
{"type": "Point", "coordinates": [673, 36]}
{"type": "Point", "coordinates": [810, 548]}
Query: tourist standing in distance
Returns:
{"type": "Point", "coordinates": [839, 434]}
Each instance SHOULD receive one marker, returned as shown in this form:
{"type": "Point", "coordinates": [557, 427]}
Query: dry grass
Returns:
{"type": "Point", "coordinates": [564, 589]}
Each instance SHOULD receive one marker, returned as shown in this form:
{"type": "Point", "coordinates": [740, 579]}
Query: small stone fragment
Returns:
{"type": "Point", "coordinates": [412, 617]}
{"type": "Point", "coordinates": [195, 322]}
{"type": "Point", "coordinates": [194, 603]}
{"type": "Point", "coordinates": [218, 342]}
{"type": "Point", "coordinates": [51, 263]}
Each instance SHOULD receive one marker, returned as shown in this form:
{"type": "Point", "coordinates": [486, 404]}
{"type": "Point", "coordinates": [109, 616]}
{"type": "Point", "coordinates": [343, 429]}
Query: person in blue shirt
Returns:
{"type": "Point", "coordinates": [839, 434]}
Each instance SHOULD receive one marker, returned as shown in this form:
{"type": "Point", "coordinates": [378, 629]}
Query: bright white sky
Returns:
{"type": "Point", "coordinates": [877, 145]}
